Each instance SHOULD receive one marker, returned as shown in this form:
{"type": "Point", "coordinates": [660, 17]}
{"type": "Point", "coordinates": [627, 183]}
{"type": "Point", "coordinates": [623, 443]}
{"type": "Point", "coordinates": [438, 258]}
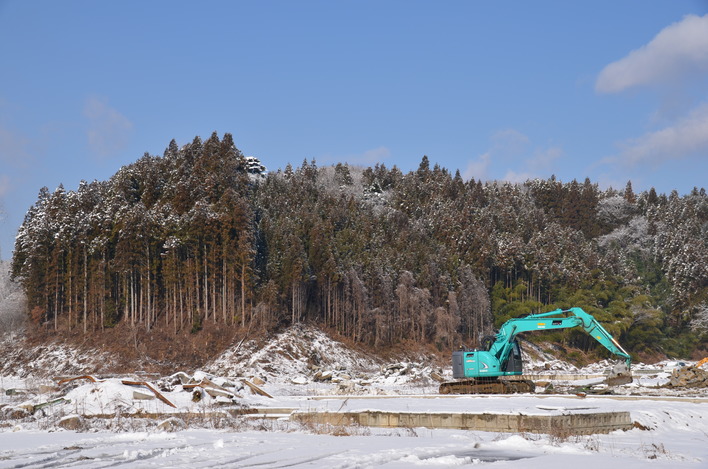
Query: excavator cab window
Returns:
{"type": "Point", "coordinates": [514, 364]}
{"type": "Point", "coordinates": [517, 350]}
{"type": "Point", "coordinates": [487, 342]}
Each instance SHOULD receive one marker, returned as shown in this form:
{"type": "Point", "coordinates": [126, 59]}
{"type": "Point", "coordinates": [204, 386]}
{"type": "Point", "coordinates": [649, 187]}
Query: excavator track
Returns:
{"type": "Point", "coordinates": [488, 386]}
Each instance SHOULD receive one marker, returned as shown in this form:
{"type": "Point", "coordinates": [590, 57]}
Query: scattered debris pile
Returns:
{"type": "Point", "coordinates": [695, 376]}
{"type": "Point", "coordinates": [316, 364]}
{"type": "Point", "coordinates": [87, 395]}
{"type": "Point", "coordinates": [344, 381]}
{"type": "Point", "coordinates": [200, 385]}
{"type": "Point", "coordinates": [411, 372]}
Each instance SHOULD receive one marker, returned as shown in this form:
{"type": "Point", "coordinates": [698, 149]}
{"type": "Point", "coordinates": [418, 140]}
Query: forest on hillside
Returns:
{"type": "Point", "coordinates": [203, 235]}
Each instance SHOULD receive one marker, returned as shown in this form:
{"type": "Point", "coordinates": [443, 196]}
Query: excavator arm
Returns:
{"type": "Point", "coordinates": [558, 319]}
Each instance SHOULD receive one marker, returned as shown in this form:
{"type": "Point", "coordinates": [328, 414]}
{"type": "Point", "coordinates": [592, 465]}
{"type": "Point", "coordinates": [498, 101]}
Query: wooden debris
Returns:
{"type": "Point", "coordinates": [215, 392]}
{"type": "Point", "coordinates": [212, 384]}
{"type": "Point", "coordinates": [140, 395]}
{"type": "Point", "coordinates": [256, 389]}
{"type": "Point", "coordinates": [204, 383]}
{"type": "Point", "coordinates": [211, 388]}
{"type": "Point", "coordinates": [67, 380]}
{"type": "Point", "coordinates": [149, 386]}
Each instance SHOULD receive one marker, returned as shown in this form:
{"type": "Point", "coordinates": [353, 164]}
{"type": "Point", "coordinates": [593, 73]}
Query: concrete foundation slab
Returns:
{"type": "Point", "coordinates": [566, 424]}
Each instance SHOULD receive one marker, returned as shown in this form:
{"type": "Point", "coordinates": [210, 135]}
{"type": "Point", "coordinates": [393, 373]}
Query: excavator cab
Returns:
{"type": "Point", "coordinates": [482, 363]}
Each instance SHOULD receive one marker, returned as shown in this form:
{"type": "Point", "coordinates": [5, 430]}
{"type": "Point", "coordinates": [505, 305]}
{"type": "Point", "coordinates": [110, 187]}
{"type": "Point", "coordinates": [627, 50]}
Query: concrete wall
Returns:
{"type": "Point", "coordinates": [564, 425]}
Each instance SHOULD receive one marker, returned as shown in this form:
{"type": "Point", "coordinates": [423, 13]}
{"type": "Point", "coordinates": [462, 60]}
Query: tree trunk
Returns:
{"type": "Point", "coordinates": [85, 288]}
{"type": "Point", "coordinates": [243, 295]}
{"type": "Point", "coordinates": [71, 299]}
{"type": "Point", "coordinates": [206, 286]}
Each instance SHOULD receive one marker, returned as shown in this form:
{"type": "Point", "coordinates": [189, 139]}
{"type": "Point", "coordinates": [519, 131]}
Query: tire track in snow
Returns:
{"type": "Point", "coordinates": [50, 461]}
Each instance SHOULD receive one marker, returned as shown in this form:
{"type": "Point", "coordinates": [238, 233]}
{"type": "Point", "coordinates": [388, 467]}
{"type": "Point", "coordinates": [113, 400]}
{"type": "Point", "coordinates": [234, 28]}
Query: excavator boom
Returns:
{"type": "Point", "coordinates": [557, 319]}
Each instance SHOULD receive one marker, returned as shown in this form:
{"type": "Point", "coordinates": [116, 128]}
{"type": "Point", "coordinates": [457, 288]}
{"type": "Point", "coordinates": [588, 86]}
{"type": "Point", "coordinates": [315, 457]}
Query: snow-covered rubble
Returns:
{"type": "Point", "coordinates": [202, 417]}
{"type": "Point", "coordinates": [308, 358]}
{"type": "Point", "coordinates": [301, 361]}
{"type": "Point", "coordinates": [298, 351]}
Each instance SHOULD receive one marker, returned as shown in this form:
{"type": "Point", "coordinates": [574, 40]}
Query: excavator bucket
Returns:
{"type": "Point", "coordinates": [619, 374]}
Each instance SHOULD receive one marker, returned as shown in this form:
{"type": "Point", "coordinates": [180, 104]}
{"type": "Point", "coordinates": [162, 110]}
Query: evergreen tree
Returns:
{"type": "Point", "coordinates": [378, 255]}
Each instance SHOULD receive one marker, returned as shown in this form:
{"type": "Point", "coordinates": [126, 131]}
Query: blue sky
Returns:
{"type": "Point", "coordinates": [509, 90]}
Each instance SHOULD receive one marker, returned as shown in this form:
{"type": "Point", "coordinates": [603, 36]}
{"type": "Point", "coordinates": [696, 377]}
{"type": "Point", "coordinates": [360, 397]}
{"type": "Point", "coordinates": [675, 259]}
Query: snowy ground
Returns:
{"type": "Point", "coordinates": [676, 436]}
{"type": "Point", "coordinates": [387, 449]}
{"type": "Point", "coordinates": [303, 370]}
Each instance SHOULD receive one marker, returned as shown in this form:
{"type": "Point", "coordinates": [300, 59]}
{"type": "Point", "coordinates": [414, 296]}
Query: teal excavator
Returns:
{"type": "Point", "coordinates": [492, 369]}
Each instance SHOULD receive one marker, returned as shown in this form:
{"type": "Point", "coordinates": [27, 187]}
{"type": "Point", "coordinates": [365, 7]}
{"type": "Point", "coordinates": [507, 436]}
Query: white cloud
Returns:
{"type": "Point", "coordinates": [509, 142]}
{"type": "Point", "coordinates": [513, 176]}
{"type": "Point", "coordinates": [684, 138]}
{"type": "Point", "coordinates": [543, 159]}
{"type": "Point", "coordinates": [109, 130]}
{"type": "Point", "coordinates": [375, 155]}
{"type": "Point", "coordinates": [536, 166]}
{"type": "Point", "coordinates": [367, 158]}
{"type": "Point", "coordinates": [674, 60]}
{"type": "Point", "coordinates": [477, 168]}
{"type": "Point", "coordinates": [677, 51]}
{"type": "Point", "coordinates": [506, 145]}
{"type": "Point", "coordinates": [5, 185]}
{"type": "Point", "coordinates": [13, 148]}
{"type": "Point", "coordinates": [511, 149]}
